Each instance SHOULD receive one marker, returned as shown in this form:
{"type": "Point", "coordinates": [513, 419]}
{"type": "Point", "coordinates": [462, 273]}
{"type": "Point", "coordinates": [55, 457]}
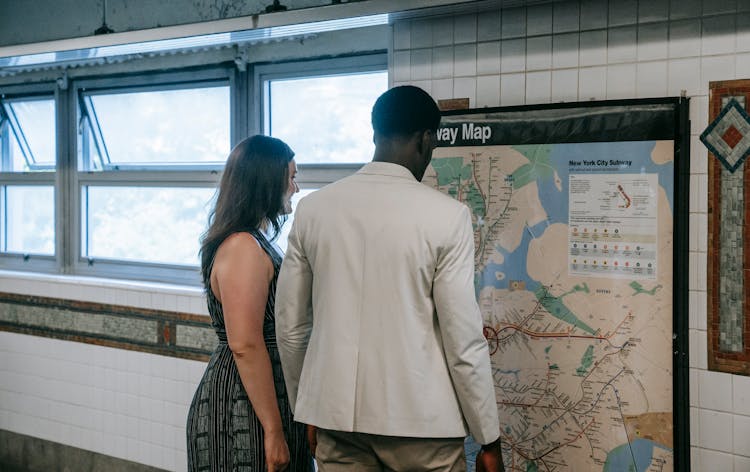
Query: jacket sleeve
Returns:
{"type": "Point", "coordinates": [461, 328]}
{"type": "Point", "coordinates": [293, 310]}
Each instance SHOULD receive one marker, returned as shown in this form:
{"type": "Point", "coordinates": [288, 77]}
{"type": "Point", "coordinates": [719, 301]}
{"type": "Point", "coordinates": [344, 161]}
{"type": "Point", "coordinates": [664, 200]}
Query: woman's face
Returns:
{"type": "Point", "coordinates": [292, 188]}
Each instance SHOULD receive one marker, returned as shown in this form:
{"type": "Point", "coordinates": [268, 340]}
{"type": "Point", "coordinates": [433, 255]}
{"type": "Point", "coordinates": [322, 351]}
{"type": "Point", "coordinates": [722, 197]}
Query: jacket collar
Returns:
{"type": "Point", "coordinates": [388, 169]}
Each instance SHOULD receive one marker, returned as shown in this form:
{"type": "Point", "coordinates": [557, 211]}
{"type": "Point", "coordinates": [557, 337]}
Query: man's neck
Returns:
{"type": "Point", "coordinates": [393, 153]}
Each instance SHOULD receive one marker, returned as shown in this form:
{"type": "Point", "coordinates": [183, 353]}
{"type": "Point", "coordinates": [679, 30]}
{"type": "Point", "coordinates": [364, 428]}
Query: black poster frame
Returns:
{"type": "Point", "coordinates": [608, 121]}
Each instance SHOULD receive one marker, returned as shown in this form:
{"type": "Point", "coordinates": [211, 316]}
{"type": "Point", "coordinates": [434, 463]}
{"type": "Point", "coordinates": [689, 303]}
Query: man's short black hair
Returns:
{"type": "Point", "coordinates": [404, 110]}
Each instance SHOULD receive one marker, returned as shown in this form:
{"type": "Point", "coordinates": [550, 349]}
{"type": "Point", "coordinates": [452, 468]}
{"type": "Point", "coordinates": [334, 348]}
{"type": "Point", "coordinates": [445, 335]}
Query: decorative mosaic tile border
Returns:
{"type": "Point", "coordinates": [728, 249]}
{"type": "Point", "coordinates": [183, 335]}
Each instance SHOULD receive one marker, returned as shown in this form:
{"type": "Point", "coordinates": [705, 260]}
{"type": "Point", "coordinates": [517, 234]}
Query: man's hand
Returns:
{"type": "Point", "coordinates": [312, 438]}
{"type": "Point", "coordinates": [489, 462]}
{"type": "Point", "coordinates": [490, 458]}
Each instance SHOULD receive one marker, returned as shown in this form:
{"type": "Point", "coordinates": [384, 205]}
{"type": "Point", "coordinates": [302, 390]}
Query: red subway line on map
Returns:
{"type": "Point", "coordinates": [540, 334]}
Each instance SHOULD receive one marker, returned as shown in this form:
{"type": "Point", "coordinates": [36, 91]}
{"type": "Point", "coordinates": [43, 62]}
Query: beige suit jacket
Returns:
{"type": "Point", "coordinates": [376, 317]}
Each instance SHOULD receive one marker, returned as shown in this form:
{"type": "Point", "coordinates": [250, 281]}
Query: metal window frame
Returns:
{"type": "Point", "coordinates": [246, 111]}
{"type": "Point", "coordinates": [89, 120]}
{"type": "Point", "coordinates": [312, 175]}
{"type": "Point", "coordinates": [30, 261]}
{"type": "Point", "coordinates": [177, 176]}
{"type": "Point", "coordinates": [8, 116]}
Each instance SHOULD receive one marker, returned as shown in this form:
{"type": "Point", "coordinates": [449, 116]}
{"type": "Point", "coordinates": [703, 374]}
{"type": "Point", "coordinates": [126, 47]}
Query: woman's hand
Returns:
{"type": "Point", "coordinates": [312, 438]}
{"type": "Point", "coordinates": [277, 451]}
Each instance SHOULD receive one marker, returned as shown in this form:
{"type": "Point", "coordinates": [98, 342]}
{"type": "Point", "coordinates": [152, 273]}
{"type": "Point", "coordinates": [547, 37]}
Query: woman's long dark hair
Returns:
{"type": "Point", "coordinates": [251, 192]}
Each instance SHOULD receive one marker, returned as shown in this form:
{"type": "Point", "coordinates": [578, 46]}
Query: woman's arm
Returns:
{"type": "Point", "coordinates": [240, 279]}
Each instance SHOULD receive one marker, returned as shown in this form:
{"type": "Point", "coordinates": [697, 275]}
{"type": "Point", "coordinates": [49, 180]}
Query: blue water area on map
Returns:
{"type": "Point", "coordinates": [620, 459]}
{"type": "Point", "coordinates": [514, 265]}
{"type": "Point", "coordinates": [513, 372]}
{"type": "Point", "coordinates": [555, 202]}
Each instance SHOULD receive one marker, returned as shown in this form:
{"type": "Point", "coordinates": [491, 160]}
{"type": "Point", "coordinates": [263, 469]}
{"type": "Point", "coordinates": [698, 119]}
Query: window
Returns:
{"type": "Point", "coordinates": [148, 162]}
{"type": "Point", "coordinates": [115, 176]}
{"type": "Point", "coordinates": [143, 223]}
{"type": "Point", "coordinates": [326, 118]}
{"type": "Point", "coordinates": [30, 129]}
{"type": "Point", "coordinates": [322, 110]}
{"type": "Point", "coordinates": [155, 128]}
{"type": "Point", "coordinates": [27, 178]}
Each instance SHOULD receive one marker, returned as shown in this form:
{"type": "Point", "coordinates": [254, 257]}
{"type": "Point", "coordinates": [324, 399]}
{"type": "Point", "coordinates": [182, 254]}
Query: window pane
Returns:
{"type": "Point", "coordinates": [325, 119]}
{"type": "Point", "coordinates": [164, 127]}
{"type": "Point", "coordinates": [149, 224]}
{"type": "Point", "coordinates": [284, 235]}
{"type": "Point", "coordinates": [29, 219]}
{"type": "Point", "coordinates": [31, 135]}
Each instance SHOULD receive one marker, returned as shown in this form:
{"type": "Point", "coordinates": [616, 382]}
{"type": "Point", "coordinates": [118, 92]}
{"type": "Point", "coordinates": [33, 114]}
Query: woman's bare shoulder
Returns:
{"type": "Point", "coordinates": [242, 250]}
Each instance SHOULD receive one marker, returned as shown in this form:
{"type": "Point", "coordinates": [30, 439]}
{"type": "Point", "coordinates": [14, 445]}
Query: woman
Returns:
{"type": "Point", "coordinates": [240, 418]}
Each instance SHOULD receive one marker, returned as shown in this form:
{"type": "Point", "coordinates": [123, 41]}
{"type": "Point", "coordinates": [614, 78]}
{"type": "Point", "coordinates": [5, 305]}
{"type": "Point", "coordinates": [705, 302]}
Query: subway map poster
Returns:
{"type": "Point", "coordinates": [574, 272]}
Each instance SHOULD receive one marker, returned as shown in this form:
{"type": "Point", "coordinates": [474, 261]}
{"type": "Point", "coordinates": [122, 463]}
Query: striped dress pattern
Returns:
{"type": "Point", "coordinates": [223, 431]}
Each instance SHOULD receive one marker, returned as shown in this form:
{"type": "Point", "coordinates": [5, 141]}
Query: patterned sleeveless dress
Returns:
{"type": "Point", "coordinates": [223, 432]}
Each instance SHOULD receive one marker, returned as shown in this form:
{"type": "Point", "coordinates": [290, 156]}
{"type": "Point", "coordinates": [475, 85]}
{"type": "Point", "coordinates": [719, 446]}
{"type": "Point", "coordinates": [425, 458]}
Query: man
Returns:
{"type": "Point", "coordinates": [378, 327]}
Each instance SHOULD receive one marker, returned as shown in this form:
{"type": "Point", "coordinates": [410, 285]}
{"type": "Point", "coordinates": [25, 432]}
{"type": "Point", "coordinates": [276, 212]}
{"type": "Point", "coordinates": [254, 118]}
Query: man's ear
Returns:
{"type": "Point", "coordinates": [424, 141]}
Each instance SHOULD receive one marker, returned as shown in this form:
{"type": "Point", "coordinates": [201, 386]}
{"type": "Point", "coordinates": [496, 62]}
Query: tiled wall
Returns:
{"type": "Point", "coordinates": [595, 49]}
{"type": "Point", "coordinates": [125, 404]}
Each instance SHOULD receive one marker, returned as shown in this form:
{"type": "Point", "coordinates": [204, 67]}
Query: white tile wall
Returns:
{"type": "Point", "coordinates": [621, 81]}
{"type": "Point", "coordinates": [465, 87]}
{"type": "Point", "coordinates": [542, 20]}
{"type": "Point", "coordinates": [592, 83]}
{"type": "Point", "coordinates": [651, 79]}
{"type": "Point", "coordinates": [538, 87]}
{"type": "Point", "coordinates": [652, 41]}
{"type": "Point", "coordinates": [465, 64]}
{"type": "Point", "coordinates": [539, 53]}
{"type": "Point", "coordinates": [565, 85]}
{"type": "Point", "coordinates": [623, 12]}
{"type": "Point", "coordinates": [596, 49]}
{"type": "Point", "coordinates": [488, 58]}
{"type": "Point", "coordinates": [465, 29]}
{"type": "Point", "coordinates": [513, 23]}
{"type": "Point", "coordinates": [594, 14]}
{"type": "Point", "coordinates": [684, 37]}
{"type": "Point", "coordinates": [512, 89]}
{"type": "Point", "coordinates": [593, 48]}
{"type": "Point", "coordinates": [101, 399]}
{"type": "Point", "coordinates": [622, 44]}
{"type": "Point", "coordinates": [653, 10]}
{"type": "Point", "coordinates": [685, 8]}
{"type": "Point", "coordinates": [442, 62]}
{"type": "Point", "coordinates": [125, 404]}
{"type": "Point", "coordinates": [488, 27]}
{"type": "Point", "coordinates": [488, 91]}
{"type": "Point", "coordinates": [442, 32]}
{"type": "Point", "coordinates": [565, 50]}
{"type": "Point", "coordinates": [565, 18]}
